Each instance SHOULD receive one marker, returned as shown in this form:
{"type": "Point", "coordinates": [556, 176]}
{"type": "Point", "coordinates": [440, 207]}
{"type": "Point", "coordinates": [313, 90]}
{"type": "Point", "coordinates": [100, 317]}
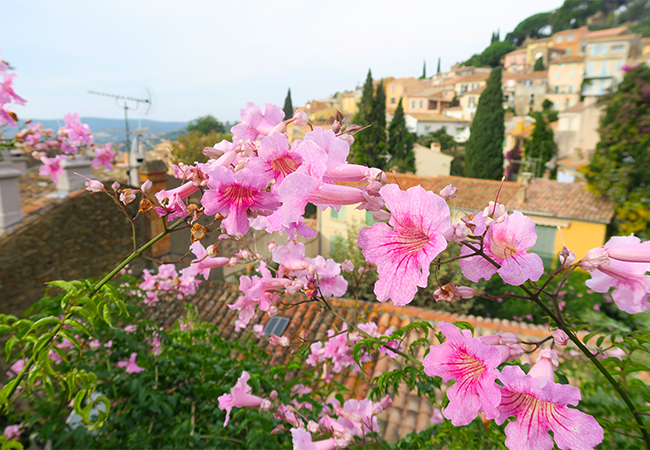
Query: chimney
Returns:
{"type": "Point", "coordinates": [525, 182]}
{"type": "Point", "coordinates": [435, 147]}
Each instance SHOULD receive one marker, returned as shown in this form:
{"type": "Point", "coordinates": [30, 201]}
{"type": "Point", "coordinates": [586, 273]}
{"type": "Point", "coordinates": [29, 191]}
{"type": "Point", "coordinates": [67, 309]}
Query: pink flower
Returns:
{"type": "Point", "coordinates": [420, 224]}
{"type": "Point", "coordinates": [52, 167]}
{"type": "Point", "coordinates": [171, 202]}
{"type": "Point", "coordinates": [202, 264]}
{"type": "Point", "coordinates": [103, 157]}
{"type": "Point", "coordinates": [76, 133]}
{"type": "Point", "coordinates": [258, 330]}
{"type": "Point", "coordinates": [448, 192]}
{"type": "Point", "coordinates": [12, 431]}
{"type": "Point", "coordinates": [437, 417]}
{"type": "Point", "coordinates": [450, 292]}
{"type": "Point", "coordinates": [255, 123]}
{"type": "Point", "coordinates": [632, 285]}
{"type": "Point", "coordinates": [302, 440]}
{"type": "Point", "coordinates": [539, 408]}
{"type": "Point", "coordinates": [473, 365]}
{"type": "Point", "coordinates": [275, 160]}
{"type": "Point", "coordinates": [507, 244]}
{"type": "Point", "coordinates": [131, 366]}
{"type": "Point", "coordinates": [282, 341]}
{"type": "Point", "coordinates": [233, 194]}
{"type": "Point", "coordinates": [16, 367]}
{"type": "Point", "coordinates": [130, 328]}
{"type": "Point", "coordinates": [240, 396]}
{"type": "Point", "coordinates": [560, 337]}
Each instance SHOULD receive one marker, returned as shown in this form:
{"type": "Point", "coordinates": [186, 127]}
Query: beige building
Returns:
{"type": "Point", "coordinates": [570, 40]}
{"type": "Point", "coordinates": [541, 48]}
{"type": "Point", "coordinates": [606, 52]}
{"type": "Point", "coordinates": [348, 102]}
{"type": "Point", "coordinates": [565, 81]}
{"type": "Point", "coordinates": [577, 131]}
{"type": "Point", "coordinates": [431, 162]}
{"type": "Point", "coordinates": [530, 93]}
{"type": "Point", "coordinates": [427, 100]}
{"type": "Point", "coordinates": [469, 102]}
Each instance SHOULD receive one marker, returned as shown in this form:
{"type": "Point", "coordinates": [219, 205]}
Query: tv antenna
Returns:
{"type": "Point", "coordinates": [127, 103]}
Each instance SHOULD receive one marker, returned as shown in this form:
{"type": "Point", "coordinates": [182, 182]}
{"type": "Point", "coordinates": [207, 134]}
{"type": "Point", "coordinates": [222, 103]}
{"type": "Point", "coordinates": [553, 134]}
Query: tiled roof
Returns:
{"type": "Point", "coordinates": [534, 75]}
{"type": "Point", "coordinates": [478, 90]}
{"type": "Point", "coordinates": [578, 107]}
{"type": "Point", "coordinates": [608, 32]}
{"type": "Point", "coordinates": [543, 197]}
{"type": "Point", "coordinates": [567, 59]}
{"type": "Point", "coordinates": [309, 321]}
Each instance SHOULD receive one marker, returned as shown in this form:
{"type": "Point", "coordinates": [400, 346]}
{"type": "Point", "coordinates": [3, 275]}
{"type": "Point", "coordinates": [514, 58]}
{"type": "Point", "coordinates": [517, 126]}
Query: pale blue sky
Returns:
{"type": "Point", "coordinates": [211, 57]}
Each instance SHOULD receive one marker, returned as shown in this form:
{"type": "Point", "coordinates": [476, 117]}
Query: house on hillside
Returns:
{"type": "Point", "coordinates": [402, 87]}
{"type": "Point", "coordinates": [425, 123]}
{"type": "Point", "coordinates": [565, 81]}
{"type": "Point", "coordinates": [530, 93]}
{"type": "Point", "coordinates": [606, 52]}
{"type": "Point", "coordinates": [540, 48]}
{"type": "Point", "coordinates": [570, 40]}
{"type": "Point", "coordinates": [515, 61]}
{"type": "Point", "coordinates": [469, 103]}
{"type": "Point", "coordinates": [581, 217]}
{"type": "Point", "coordinates": [430, 161]}
{"type": "Point", "coordinates": [429, 100]}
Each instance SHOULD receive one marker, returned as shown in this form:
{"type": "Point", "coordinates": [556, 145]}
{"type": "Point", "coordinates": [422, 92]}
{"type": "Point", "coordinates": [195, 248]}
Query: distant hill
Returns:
{"type": "Point", "coordinates": [105, 130]}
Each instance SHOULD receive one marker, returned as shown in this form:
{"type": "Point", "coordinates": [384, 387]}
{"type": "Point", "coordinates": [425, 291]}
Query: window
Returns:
{"type": "Point", "coordinates": [601, 87]}
{"type": "Point", "coordinates": [521, 97]}
{"type": "Point", "coordinates": [339, 215]}
{"type": "Point", "coordinates": [619, 64]}
{"type": "Point", "coordinates": [532, 98]}
{"type": "Point", "coordinates": [572, 75]}
{"type": "Point", "coordinates": [545, 244]}
{"type": "Point", "coordinates": [603, 49]}
{"type": "Point", "coordinates": [463, 88]}
{"type": "Point", "coordinates": [474, 86]}
{"type": "Point", "coordinates": [618, 48]}
{"type": "Point", "coordinates": [393, 100]}
{"type": "Point", "coordinates": [569, 124]}
{"type": "Point", "coordinates": [460, 130]}
{"type": "Point", "coordinates": [421, 104]}
{"type": "Point", "coordinates": [405, 89]}
{"type": "Point", "coordinates": [393, 89]}
{"type": "Point", "coordinates": [568, 51]}
{"type": "Point", "coordinates": [276, 325]}
{"type": "Point", "coordinates": [336, 243]}
{"type": "Point", "coordinates": [603, 68]}
{"type": "Point", "coordinates": [570, 89]}
{"type": "Point", "coordinates": [557, 75]}
{"type": "Point", "coordinates": [571, 37]}
{"type": "Point", "coordinates": [472, 103]}
{"type": "Point", "coordinates": [413, 104]}
{"type": "Point", "coordinates": [592, 50]}
{"type": "Point", "coordinates": [559, 39]}
{"type": "Point", "coordinates": [590, 67]}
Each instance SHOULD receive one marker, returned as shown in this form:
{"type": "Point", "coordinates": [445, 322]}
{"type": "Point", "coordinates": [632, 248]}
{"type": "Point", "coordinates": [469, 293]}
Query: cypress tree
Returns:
{"type": "Point", "coordinates": [369, 147]}
{"type": "Point", "coordinates": [541, 144]}
{"type": "Point", "coordinates": [438, 64]}
{"type": "Point", "coordinates": [400, 143]}
{"type": "Point", "coordinates": [424, 71]}
{"type": "Point", "coordinates": [539, 65]}
{"type": "Point", "coordinates": [484, 149]}
{"type": "Point", "coordinates": [288, 106]}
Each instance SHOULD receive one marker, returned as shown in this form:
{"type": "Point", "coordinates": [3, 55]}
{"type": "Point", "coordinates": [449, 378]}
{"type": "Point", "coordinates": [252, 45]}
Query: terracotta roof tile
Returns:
{"type": "Point", "coordinates": [608, 32]}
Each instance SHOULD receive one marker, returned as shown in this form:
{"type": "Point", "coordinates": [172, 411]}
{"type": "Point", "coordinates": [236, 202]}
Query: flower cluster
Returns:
{"type": "Point", "coordinates": [534, 399]}
{"type": "Point", "coordinates": [168, 283]}
{"type": "Point", "coordinates": [8, 96]}
{"type": "Point", "coordinates": [336, 352]}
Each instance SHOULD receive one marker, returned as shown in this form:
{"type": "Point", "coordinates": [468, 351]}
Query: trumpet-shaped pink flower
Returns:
{"type": "Point", "coordinates": [203, 264]}
{"type": "Point", "coordinates": [302, 440]}
{"type": "Point", "coordinates": [103, 157]}
{"type": "Point", "coordinates": [171, 202]}
{"type": "Point", "coordinates": [255, 123]}
{"type": "Point", "coordinates": [539, 409]}
{"type": "Point", "coordinates": [7, 94]}
{"type": "Point", "coordinates": [240, 396]}
{"type": "Point", "coordinates": [275, 160]}
{"type": "Point", "coordinates": [76, 134]}
{"type": "Point", "coordinates": [52, 167]}
{"type": "Point", "coordinates": [473, 365]}
{"type": "Point", "coordinates": [420, 225]}
{"type": "Point", "coordinates": [232, 194]}
{"type": "Point", "coordinates": [131, 366]}
{"type": "Point", "coordinates": [626, 272]}
{"type": "Point", "coordinates": [507, 244]}
{"type": "Point", "coordinates": [336, 148]}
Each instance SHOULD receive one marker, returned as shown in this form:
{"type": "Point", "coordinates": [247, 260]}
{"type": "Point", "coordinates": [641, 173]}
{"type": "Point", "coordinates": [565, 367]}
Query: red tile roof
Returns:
{"type": "Point", "coordinates": [543, 197]}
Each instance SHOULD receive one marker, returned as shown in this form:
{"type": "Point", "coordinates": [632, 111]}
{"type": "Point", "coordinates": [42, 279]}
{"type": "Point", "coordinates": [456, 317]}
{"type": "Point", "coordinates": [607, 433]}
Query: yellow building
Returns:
{"type": "Point", "coordinates": [558, 209]}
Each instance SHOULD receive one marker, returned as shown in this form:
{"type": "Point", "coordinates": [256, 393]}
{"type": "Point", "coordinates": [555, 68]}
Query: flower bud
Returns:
{"type": "Point", "coordinates": [212, 250]}
{"type": "Point", "coordinates": [272, 246]}
{"type": "Point", "coordinates": [300, 118]}
{"type": "Point", "coordinates": [272, 311]}
{"type": "Point", "coordinates": [94, 186]}
{"type": "Point", "coordinates": [594, 258]}
{"type": "Point", "coordinates": [115, 186]}
{"type": "Point", "coordinates": [560, 337]}
{"type": "Point", "coordinates": [198, 232]}
{"type": "Point", "coordinates": [146, 186]}
{"type": "Point", "coordinates": [567, 257]}
{"type": "Point", "coordinates": [347, 138]}
{"type": "Point", "coordinates": [312, 427]}
{"type": "Point", "coordinates": [265, 405]}
{"type": "Point", "coordinates": [448, 192]}
{"type": "Point", "coordinates": [347, 266]}
{"type": "Point", "coordinates": [459, 234]}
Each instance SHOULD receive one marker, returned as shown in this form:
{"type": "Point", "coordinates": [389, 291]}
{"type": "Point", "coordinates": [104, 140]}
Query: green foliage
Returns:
{"type": "Point", "coordinates": [288, 106]}
{"type": "Point", "coordinates": [370, 146]}
{"type": "Point", "coordinates": [424, 70]}
{"type": "Point", "coordinates": [189, 147]}
{"type": "Point", "coordinates": [541, 145]}
{"type": "Point", "coordinates": [636, 11]}
{"type": "Point", "coordinates": [539, 65]}
{"type": "Point", "coordinates": [438, 65]}
{"type": "Point", "coordinates": [620, 168]}
{"type": "Point", "coordinates": [400, 143]}
{"type": "Point", "coordinates": [533, 26]}
{"type": "Point", "coordinates": [206, 125]}
{"type": "Point", "coordinates": [440, 136]}
{"type": "Point", "coordinates": [484, 149]}
{"type": "Point", "coordinates": [491, 56]}
{"type": "Point", "coordinates": [574, 13]}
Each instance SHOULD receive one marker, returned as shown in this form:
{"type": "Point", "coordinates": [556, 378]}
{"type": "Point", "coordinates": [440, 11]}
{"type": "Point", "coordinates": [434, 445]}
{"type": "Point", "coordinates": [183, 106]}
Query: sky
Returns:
{"type": "Point", "coordinates": [200, 57]}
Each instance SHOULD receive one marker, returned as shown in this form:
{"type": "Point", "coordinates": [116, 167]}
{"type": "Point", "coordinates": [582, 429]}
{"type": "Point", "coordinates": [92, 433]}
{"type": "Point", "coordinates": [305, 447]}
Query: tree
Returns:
{"type": "Point", "coordinates": [491, 56]}
{"type": "Point", "coordinates": [539, 65]}
{"type": "Point", "coordinates": [438, 64]}
{"type": "Point", "coordinates": [440, 136]}
{"type": "Point", "coordinates": [288, 106]}
{"type": "Point", "coordinates": [551, 114]}
{"type": "Point", "coordinates": [533, 26]}
{"type": "Point", "coordinates": [369, 147]}
{"type": "Point", "coordinates": [400, 143]}
{"type": "Point", "coordinates": [205, 125]}
{"type": "Point", "coordinates": [484, 149]}
{"type": "Point", "coordinates": [541, 145]}
{"type": "Point", "coordinates": [424, 71]}
{"type": "Point", "coordinates": [620, 168]}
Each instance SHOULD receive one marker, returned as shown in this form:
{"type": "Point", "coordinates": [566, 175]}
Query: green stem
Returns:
{"type": "Point", "coordinates": [534, 297]}
{"type": "Point", "coordinates": [96, 289]}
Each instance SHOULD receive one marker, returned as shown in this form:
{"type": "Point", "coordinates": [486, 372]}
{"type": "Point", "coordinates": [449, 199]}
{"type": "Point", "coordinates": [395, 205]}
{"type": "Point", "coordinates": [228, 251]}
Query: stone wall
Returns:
{"type": "Point", "coordinates": [82, 236]}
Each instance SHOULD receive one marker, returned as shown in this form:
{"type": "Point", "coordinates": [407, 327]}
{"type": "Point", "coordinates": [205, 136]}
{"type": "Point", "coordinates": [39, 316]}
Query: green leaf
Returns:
{"type": "Point", "coordinates": [65, 285]}
{"type": "Point", "coordinates": [43, 341]}
{"type": "Point", "coordinates": [106, 315]}
{"type": "Point", "coordinates": [44, 321]}
{"type": "Point", "coordinates": [465, 326]}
